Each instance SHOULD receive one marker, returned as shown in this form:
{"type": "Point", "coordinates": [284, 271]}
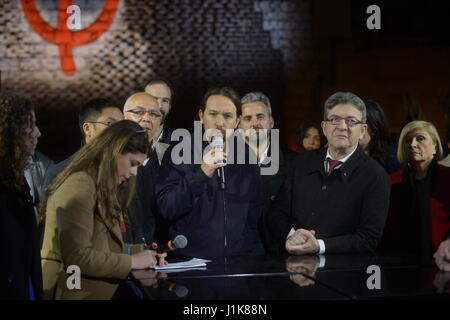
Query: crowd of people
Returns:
{"type": "Point", "coordinates": [344, 187]}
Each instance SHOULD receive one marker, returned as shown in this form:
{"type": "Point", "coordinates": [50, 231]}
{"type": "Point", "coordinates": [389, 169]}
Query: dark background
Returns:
{"type": "Point", "coordinates": [297, 52]}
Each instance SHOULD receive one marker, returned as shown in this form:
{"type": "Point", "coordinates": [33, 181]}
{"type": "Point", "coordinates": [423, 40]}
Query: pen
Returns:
{"type": "Point", "coordinates": [145, 244]}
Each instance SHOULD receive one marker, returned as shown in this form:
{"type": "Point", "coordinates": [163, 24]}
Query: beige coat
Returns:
{"type": "Point", "coordinates": [77, 233]}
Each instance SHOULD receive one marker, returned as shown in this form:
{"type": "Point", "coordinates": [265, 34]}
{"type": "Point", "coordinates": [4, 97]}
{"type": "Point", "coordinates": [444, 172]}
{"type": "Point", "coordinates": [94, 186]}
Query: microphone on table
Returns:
{"type": "Point", "coordinates": [217, 144]}
{"type": "Point", "coordinates": [179, 242]}
{"type": "Point", "coordinates": [178, 290]}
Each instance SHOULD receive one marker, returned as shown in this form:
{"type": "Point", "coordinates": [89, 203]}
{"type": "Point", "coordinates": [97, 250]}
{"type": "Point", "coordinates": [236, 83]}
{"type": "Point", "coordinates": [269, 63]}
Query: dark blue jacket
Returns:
{"type": "Point", "coordinates": [216, 223]}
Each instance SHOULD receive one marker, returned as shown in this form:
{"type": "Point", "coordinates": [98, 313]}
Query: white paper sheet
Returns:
{"type": "Point", "coordinates": [190, 264]}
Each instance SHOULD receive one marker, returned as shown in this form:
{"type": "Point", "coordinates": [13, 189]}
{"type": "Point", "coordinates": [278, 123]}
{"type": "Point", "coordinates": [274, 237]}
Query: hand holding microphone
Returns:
{"type": "Point", "coordinates": [217, 144]}
{"type": "Point", "coordinates": [214, 158]}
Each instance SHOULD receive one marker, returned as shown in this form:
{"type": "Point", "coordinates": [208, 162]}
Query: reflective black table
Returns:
{"type": "Point", "coordinates": [330, 277]}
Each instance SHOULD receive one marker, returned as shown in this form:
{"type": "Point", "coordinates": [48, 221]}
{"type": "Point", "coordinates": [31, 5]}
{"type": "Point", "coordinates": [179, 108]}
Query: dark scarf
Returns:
{"type": "Point", "coordinates": [419, 192]}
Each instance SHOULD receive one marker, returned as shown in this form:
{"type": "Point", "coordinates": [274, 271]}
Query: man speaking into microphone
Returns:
{"type": "Point", "coordinates": [217, 203]}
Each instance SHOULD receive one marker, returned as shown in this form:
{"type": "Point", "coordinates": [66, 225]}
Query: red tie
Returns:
{"type": "Point", "coordinates": [331, 165]}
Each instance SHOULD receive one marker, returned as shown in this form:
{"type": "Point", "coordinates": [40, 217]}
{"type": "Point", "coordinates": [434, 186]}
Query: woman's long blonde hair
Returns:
{"type": "Point", "coordinates": [99, 159]}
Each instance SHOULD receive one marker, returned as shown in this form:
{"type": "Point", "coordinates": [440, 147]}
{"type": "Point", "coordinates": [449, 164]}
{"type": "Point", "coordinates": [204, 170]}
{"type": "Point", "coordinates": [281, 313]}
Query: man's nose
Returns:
{"type": "Point", "coordinates": [146, 117]}
{"type": "Point", "coordinates": [254, 123]}
{"type": "Point", "coordinates": [342, 125]}
{"type": "Point", "coordinates": [220, 122]}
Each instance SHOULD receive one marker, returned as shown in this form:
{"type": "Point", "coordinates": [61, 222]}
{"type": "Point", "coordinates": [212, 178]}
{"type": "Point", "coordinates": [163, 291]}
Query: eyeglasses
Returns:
{"type": "Point", "coordinates": [103, 123]}
{"type": "Point", "coordinates": [155, 115]}
{"type": "Point", "coordinates": [335, 120]}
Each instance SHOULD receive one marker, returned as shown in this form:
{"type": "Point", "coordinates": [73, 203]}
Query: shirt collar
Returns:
{"type": "Point", "coordinates": [264, 155]}
{"type": "Point", "coordinates": [160, 135]}
{"type": "Point", "coordinates": [343, 160]}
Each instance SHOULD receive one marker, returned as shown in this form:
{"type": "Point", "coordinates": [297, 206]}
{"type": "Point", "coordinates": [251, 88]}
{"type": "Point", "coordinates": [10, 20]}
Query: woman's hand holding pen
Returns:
{"type": "Point", "coordinates": [143, 260]}
{"type": "Point", "coordinates": [148, 258]}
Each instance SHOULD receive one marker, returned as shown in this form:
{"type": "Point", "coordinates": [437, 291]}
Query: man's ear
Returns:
{"type": "Point", "coordinates": [200, 115]}
{"type": "Point", "coordinates": [323, 124]}
{"type": "Point", "coordinates": [272, 122]}
{"type": "Point", "coordinates": [364, 128]}
{"type": "Point", "coordinates": [87, 129]}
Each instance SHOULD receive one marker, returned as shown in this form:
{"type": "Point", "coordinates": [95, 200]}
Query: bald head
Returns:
{"type": "Point", "coordinates": [140, 99]}
{"type": "Point", "coordinates": [142, 108]}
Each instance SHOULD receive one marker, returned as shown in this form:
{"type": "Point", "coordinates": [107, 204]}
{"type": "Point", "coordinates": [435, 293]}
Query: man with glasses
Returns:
{"type": "Point", "coordinates": [334, 200]}
{"type": "Point", "coordinates": [144, 109]}
{"type": "Point", "coordinates": [94, 117]}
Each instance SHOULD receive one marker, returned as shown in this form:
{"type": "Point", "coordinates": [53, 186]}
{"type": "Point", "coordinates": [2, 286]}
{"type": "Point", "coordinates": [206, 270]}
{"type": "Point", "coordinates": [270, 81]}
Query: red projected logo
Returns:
{"type": "Point", "coordinates": [63, 37]}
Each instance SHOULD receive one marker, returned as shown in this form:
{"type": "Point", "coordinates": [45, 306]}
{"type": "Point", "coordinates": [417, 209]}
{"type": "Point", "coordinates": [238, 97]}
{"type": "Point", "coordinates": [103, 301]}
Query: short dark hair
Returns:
{"type": "Point", "coordinates": [161, 81]}
{"type": "Point", "coordinates": [92, 109]}
{"type": "Point", "coordinates": [226, 92]}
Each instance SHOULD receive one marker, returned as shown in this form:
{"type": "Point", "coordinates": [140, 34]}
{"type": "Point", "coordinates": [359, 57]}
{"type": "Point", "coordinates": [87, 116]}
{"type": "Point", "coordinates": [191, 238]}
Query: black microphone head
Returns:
{"type": "Point", "coordinates": [180, 242]}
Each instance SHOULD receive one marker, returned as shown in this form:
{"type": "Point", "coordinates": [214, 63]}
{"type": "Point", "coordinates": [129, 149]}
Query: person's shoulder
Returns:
{"type": "Point", "coordinates": [367, 168]}
{"type": "Point", "coordinates": [80, 180]}
{"type": "Point", "coordinates": [372, 164]}
{"type": "Point", "coordinates": [180, 155]}
{"type": "Point", "coordinates": [60, 166]}
{"type": "Point", "coordinates": [307, 157]}
{"type": "Point", "coordinates": [287, 155]}
{"type": "Point", "coordinates": [78, 188]}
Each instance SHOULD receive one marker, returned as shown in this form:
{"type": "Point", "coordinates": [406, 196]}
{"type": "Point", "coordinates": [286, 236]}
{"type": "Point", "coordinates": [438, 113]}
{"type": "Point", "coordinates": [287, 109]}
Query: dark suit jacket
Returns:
{"type": "Point", "coordinates": [347, 209]}
{"type": "Point", "coordinates": [19, 246]}
{"type": "Point", "coordinates": [216, 223]}
{"type": "Point", "coordinates": [166, 137]}
{"type": "Point", "coordinates": [271, 185]}
{"type": "Point", "coordinates": [143, 213]}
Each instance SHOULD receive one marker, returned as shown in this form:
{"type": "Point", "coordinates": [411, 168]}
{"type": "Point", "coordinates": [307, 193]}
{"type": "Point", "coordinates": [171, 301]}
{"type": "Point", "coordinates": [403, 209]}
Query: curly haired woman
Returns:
{"type": "Point", "coordinates": [20, 269]}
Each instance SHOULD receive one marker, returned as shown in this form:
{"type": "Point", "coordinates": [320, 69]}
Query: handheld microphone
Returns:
{"type": "Point", "coordinates": [179, 242]}
{"type": "Point", "coordinates": [217, 143]}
